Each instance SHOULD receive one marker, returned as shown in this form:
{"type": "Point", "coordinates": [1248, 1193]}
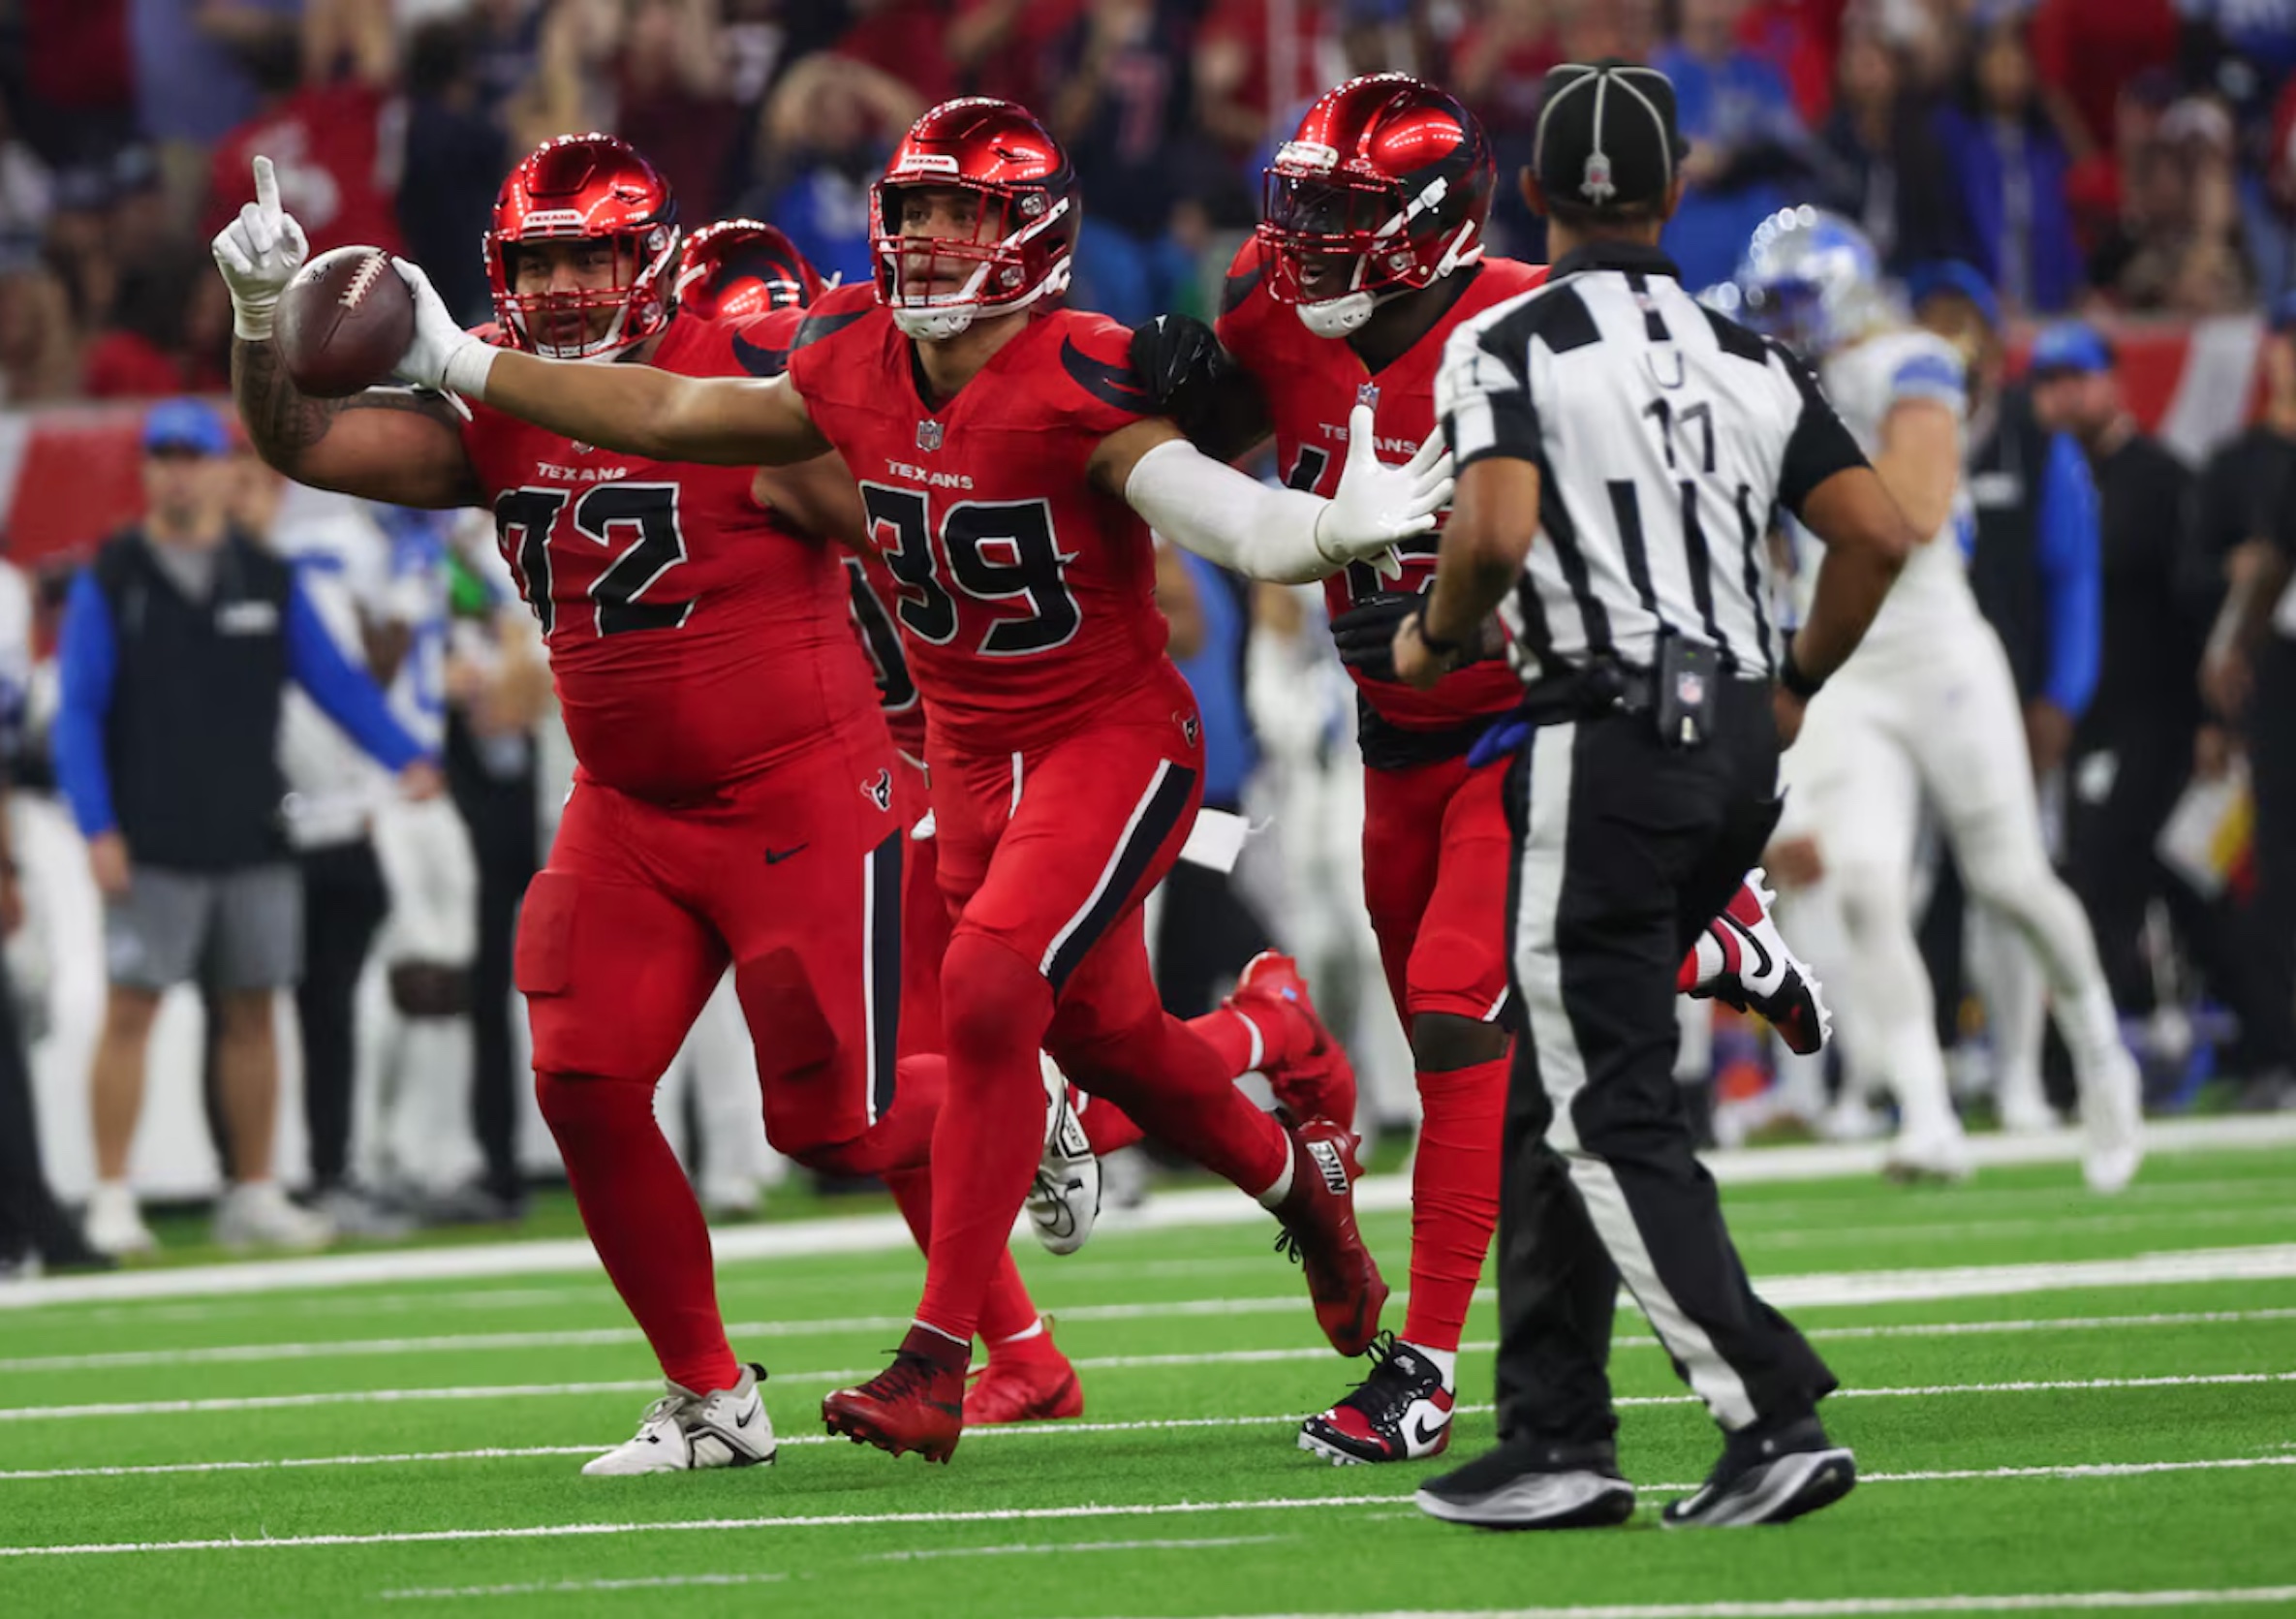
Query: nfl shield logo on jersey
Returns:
{"type": "Point", "coordinates": [928, 435]}
{"type": "Point", "coordinates": [1368, 395]}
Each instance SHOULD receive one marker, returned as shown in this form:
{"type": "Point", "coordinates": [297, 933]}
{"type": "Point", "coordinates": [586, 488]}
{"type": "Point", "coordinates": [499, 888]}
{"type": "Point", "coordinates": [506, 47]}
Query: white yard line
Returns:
{"type": "Point", "coordinates": [1037, 1514]}
{"type": "Point", "coordinates": [1855, 1287]}
{"type": "Point", "coordinates": [467, 1343]}
{"type": "Point", "coordinates": [548, 1390]}
{"type": "Point", "coordinates": [659, 1582]}
{"type": "Point", "coordinates": [1749, 1220]}
{"type": "Point", "coordinates": [876, 1234]}
{"type": "Point", "coordinates": [1850, 1607]}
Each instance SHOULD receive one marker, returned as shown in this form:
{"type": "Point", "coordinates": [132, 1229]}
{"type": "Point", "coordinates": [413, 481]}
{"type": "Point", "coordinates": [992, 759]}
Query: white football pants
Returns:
{"type": "Point", "coordinates": [1886, 733]}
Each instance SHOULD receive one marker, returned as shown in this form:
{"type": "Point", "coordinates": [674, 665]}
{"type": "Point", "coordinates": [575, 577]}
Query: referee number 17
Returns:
{"type": "Point", "coordinates": [1701, 413]}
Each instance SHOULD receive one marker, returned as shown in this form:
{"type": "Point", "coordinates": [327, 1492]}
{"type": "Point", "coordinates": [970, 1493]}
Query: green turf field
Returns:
{"type": "Point", "coordinates": [2087, 1404]}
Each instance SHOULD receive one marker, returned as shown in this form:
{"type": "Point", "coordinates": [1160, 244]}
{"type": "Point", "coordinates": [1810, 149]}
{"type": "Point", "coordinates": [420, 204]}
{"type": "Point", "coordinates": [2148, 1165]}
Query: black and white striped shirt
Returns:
{"type": "Point", "coordinates": [1664, 434]}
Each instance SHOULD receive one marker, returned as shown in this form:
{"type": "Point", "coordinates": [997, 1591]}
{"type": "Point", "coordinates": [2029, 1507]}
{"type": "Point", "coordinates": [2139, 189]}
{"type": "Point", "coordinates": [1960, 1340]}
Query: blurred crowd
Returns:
{"type": "Point", "coordinates": [2135, 154]}
{"type": "Point", "coordinates": [2015, 161]}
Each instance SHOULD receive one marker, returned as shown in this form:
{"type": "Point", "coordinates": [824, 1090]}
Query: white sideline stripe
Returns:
{"type": "Point", "coordinates": [665, 1581]}
{"type": "Point", "coordinates": [1847, 1608]}
{"type": "Point", "coordinates": [546, 1390]}
{"type": "Point", "coordinates": [1039, 1514]}
{"type": "Point", "coordinates": [1748, 1222]}
{"type": "Point", "coordinates": [1809, 1292]}
{"type": "Point", "coordinates": [1164, 1210]}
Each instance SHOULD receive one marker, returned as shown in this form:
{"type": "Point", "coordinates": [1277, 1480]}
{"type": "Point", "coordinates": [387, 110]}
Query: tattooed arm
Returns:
{"type": "Point", "coordinates": [387, 443]}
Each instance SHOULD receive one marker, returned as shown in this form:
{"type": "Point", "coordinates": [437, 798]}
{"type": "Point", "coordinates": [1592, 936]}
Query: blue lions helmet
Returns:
{"type": "Point", "coordinates": [1810, 279]}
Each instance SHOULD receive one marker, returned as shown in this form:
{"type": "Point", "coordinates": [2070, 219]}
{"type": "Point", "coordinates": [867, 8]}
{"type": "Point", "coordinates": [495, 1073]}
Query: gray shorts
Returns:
{"type": "Point", "coordinates": [230, 930]}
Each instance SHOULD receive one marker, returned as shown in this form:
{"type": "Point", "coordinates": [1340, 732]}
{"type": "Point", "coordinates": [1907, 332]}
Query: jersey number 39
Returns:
{"type": "Point", "coordinates": [992, 551]}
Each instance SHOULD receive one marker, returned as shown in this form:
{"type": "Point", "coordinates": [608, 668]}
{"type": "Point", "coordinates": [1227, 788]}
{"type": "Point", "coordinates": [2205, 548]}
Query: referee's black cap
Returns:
{"type": "Point", "coordinates": [1607, 137]}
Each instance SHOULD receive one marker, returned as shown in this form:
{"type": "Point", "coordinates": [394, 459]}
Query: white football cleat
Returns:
{"type": "Point", "coordinates": [1066, 1199]}
{"type": "Point", "coordinates": [258, 1215]}
{"type": "Point", "coordinates": [2112, 1122]}
{"type": "Point", "coordinates": [1929, 1155]}
{"type": "Point", "coordinates": [113, 1224]}
{"type": "Point", "coordinates": [683, 1431]}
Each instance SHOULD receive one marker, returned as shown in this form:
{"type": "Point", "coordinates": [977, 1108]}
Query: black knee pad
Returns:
{"type": "Point", "coordinates": [1444, 1041]}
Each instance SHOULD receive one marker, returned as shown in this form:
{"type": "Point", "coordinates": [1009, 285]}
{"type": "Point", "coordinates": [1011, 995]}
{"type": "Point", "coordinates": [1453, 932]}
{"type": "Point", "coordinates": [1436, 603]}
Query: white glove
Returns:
{"type": "Point", "coordinates": [1376, 506]}
{"type": "Point", "coordinates": [440, 355]}
{"type": "Point", "coordinates": [259, 254]}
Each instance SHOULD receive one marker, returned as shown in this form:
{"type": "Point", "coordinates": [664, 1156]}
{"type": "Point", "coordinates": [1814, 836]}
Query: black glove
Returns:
{"type": "Point", "coordinates": [1177, 358]}
{"type": "Point", "coordinates": [1365, 634]}
{"type": "Point", "coordinates": [1192, 378]}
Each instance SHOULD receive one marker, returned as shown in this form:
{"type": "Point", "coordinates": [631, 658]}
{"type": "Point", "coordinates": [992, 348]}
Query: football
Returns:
{"type": "Point", "coordinates": [344, 321]}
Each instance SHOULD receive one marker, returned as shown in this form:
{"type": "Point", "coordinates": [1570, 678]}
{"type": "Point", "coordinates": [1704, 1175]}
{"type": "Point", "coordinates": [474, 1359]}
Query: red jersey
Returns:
{"type": "Point", "coordinates": [1311, 383]}
{"type": "Point", "coordinates": [875, 596]}
{"type": "Point", "coordinates": [1027, 598]}
{"type": "Point", "coordinates": [336, 149]}
{"type": "Point", "coordinates": [693, 641]}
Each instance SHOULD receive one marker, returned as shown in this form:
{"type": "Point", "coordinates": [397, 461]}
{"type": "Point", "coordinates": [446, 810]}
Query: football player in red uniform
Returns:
{"type": "Point", "coordinates": [1010, 469]}
{"type": "Point", "coordinates": [734, 801]}
{"type": "Point", "coordinates": [1369, 255]}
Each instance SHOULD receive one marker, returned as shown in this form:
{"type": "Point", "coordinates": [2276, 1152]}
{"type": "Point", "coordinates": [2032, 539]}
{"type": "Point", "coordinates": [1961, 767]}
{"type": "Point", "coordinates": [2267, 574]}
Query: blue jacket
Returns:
{"type": "Point", "coordinates": [169, 721]}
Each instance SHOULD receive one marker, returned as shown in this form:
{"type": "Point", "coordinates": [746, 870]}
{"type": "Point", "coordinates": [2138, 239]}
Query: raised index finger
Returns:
{"type": "Point", "coordinates": [266, 186]}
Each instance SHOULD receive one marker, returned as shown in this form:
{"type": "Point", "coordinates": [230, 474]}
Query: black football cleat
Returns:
{"type": "Point", "coordinates": [1771, 1476]}
{"type": "Point", "coordinates": [1528, 1485]}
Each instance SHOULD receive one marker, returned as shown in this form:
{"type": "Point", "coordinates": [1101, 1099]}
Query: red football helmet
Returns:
{"type": "Point", "coordinates": [1023, 241]}
{"type": "Point", "coordinates": [1384, 188]}
{"type": "Point", "coordinates": [585, 188]}
{"type": "Point", "coordinates": [742, 266]}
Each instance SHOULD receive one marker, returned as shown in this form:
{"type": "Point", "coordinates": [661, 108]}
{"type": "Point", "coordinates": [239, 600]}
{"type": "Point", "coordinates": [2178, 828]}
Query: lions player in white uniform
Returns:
{"type": "Point", "coordinates": [1925, 708]}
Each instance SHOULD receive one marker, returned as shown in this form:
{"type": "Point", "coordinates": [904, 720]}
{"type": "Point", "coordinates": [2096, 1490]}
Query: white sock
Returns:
{"type": "Point", "coordinates": [1282, 1188]}
{"type": "Point", "coordinates": [1446, 1362]}
{"type": "Point", "coordinates": [1258, 1040]}
{"type": "Point", "coordinates": [2092, 1029]}
{"type": "Point", "coordinates": [965, 1343]}
{"type": "Point", "coordinates": [1712, 961]}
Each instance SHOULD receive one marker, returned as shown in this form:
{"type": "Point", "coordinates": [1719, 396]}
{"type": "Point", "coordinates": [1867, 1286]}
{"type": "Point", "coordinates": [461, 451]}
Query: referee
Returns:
{"type": "Point", "coordinates": [1620, 451]}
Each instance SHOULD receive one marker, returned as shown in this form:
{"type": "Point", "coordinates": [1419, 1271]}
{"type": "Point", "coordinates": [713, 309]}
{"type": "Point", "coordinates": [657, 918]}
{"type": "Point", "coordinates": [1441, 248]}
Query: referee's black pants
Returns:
{"type": "Point", "coordinates": [344, 903]}
{"type": "Point", "coordinates": [498, 808]}
{"type": "Point", "coordinates": [1625, 850]}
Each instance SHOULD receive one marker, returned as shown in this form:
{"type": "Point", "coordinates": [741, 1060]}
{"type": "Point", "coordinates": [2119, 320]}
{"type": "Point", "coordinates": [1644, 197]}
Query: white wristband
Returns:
{"type": "Point", "coordinates": [467, 368]}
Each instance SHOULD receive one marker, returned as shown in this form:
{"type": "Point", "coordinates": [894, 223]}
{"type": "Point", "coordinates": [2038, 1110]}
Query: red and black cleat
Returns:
{"type": "Point", "coordinates": [1305, 1066]}
{"type": "Point", "coordinates": [917, 1403]}
{"type": "Point", "coordinates": [1319, 1217]}
{"type": "Point", "coordinates": [1760, 974]}
{"type": "Point", "coordinates": [1401, 1413]}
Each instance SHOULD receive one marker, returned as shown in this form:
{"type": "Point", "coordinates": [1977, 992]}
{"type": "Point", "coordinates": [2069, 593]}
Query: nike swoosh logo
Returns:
{"type": "Point", "coordinates": [1756, 945]}
{"type": "Point", "coordinates": [743, 1421]}
{"type": "Point", "coordinates": [1423, 1434]}
{"type": "Point", "coordinates": [757, 359]}
{"type": "Point", "coordinates": [1109, 383]}
{"type": "Point", "coordinates": [775, 857]}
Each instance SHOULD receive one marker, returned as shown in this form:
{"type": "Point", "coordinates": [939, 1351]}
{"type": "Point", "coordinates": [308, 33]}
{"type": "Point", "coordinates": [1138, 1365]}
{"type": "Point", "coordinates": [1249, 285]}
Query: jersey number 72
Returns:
{"type": "Point", "coordinates": [991, 551]}
{"type": "Point", "coordinates": [634, 524]}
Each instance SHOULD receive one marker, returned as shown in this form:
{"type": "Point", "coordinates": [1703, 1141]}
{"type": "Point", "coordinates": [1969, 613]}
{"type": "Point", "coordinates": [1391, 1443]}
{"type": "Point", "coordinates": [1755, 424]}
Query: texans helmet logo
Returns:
{"type": "Point", "coordinates": [881, 791]}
